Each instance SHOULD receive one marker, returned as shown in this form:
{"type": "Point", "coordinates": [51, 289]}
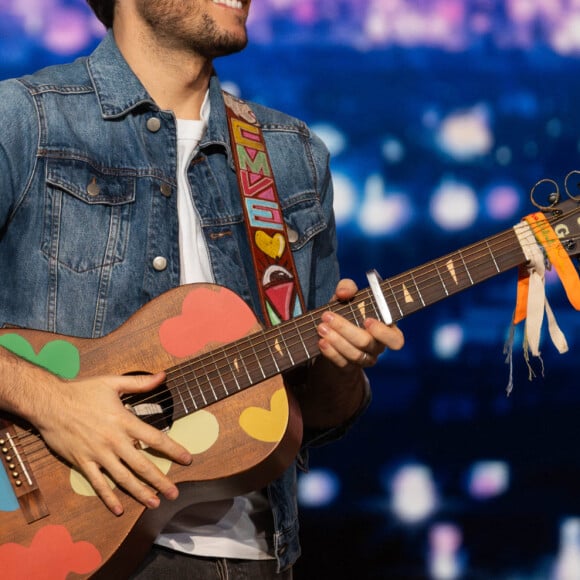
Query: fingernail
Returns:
{"type": "Point", "coordinates": [186, 458]}
{"type": "Point", "coordinates": [153, 502]}
{"type": "Point", "coordinates": [328, 317]}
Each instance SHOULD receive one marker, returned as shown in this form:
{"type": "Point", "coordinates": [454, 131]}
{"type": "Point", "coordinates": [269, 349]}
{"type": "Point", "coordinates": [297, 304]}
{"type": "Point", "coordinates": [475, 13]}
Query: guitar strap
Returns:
{"type": "Point", "coordinates": [274, 268]}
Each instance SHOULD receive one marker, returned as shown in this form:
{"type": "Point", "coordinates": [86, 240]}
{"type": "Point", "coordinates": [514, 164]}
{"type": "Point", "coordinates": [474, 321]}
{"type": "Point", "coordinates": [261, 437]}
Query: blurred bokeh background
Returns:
{"type": "Point", "coordinates": [441, 115]}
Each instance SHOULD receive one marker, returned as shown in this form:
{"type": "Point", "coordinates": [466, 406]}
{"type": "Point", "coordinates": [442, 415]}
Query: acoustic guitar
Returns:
{"type": "Point", "coordinates": [223, 398]}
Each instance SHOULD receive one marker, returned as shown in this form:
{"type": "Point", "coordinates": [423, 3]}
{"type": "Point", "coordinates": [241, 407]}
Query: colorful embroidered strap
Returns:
{"type": "Point", "coordinates": [274, 267]}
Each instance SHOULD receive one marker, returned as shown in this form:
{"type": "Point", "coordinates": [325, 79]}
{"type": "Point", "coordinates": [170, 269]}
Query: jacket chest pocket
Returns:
{"type": "Point", "coordinates": [87, 215]}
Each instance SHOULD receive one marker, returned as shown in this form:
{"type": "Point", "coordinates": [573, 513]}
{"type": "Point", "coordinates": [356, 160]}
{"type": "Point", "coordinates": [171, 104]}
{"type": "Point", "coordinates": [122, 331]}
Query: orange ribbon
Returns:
{"type": "Point", "coordinates": [558, 257]}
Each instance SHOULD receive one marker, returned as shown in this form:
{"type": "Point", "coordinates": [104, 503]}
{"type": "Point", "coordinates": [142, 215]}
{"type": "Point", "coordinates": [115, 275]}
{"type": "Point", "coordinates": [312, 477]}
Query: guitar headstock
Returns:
{"type": "Point", "coordinates": [564, 216]}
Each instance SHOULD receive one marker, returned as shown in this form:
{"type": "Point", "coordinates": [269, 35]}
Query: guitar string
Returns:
{"type": "Point", "coordinates": [421, 274]}
{"type": "Point", "coordinates": [353, 306]}
{"type": "Point", "coordinates": [187, 368]}
{"type": "Point", "coordinates": [427, 268]}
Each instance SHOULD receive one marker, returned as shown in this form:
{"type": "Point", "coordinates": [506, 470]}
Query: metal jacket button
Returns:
{"type": "Point", "coordinates": [93, 188]}
{"type": "Point", "coordinates": [292, 235]}
{"type": "Point", "coordinates": [165, 189]}
{"type": "Point", "coordinates": [153, 124]}
{"type": "Point", "coordinates": [160, 263]}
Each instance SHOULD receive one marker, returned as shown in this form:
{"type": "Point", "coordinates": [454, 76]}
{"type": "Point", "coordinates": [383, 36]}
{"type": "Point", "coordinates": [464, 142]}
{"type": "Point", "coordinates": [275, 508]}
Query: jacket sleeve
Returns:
{"type": "Point", "coordinates": [18, 146]}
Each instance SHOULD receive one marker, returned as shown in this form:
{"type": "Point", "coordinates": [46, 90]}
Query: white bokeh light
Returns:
{"type": "Point", "coordinates": [344, 198]}
{"type": "Point", "coordinates": [317, 488]}
{"type": "Point", "coordinates": [454, 205]}
{"type": "Point", "coordinates": [448, 341]}
{"type": "Point", "coordinates": [413, 493]}
{"type": "Point", "coordinates": [383, 212]}
{"type": "Point", "coordinates": [502, 201]}
{"type": "Point", "coordinates": [333, 138]}
{"type": "Point", "coordinates": [487, 479]}
{"type": "Point", "coordinates": [466, 135]}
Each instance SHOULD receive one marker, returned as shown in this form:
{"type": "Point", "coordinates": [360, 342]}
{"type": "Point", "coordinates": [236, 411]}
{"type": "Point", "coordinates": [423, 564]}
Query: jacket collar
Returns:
{"type": "Point", "coordinates": [117, 88]}
{"type": "Point", "coordinates": [119, 92]}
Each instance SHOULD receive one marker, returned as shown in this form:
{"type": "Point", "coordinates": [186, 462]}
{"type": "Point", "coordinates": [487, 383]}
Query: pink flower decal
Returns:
{"type": "Point", "coordinates": [52, 556]}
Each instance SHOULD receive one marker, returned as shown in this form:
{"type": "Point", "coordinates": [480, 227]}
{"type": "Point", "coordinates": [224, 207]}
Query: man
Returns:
{"type": "Point", "coordinates": [116, 184]}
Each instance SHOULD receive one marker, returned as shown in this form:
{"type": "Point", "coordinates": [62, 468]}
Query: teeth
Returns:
{"type": "Point", "coordinates": [229, 3]}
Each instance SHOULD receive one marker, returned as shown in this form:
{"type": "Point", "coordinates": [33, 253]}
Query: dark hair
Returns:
{"type": "Point", "coordinates": [103, 10]}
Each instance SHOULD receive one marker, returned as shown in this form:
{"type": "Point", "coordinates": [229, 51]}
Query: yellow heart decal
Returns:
{"type": "Point", "coordinates": [272, 246]}
{"type": "Point", "coordinates": [267, 425]}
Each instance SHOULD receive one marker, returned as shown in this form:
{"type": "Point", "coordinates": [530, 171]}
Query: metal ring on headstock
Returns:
{"type": "Point", "coordinates": [553, 197]}
{"type": "Point", "coordinates": [567, 189]}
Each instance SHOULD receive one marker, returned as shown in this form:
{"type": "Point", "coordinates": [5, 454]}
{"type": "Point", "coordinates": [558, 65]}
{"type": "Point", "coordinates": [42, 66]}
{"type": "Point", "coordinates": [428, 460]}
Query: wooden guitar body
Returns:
{"type": "Point", "coordinates": [53, 526]}
{"type": "Point", "coordinates": [223, 398]}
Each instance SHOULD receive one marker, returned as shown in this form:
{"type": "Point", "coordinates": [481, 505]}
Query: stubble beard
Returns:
{"type": "Point", "coordinates": [201, 36]}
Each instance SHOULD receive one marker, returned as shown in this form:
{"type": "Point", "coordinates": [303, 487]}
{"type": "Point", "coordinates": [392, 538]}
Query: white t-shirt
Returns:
{"type": "Point", "coordinates": [240, 527]}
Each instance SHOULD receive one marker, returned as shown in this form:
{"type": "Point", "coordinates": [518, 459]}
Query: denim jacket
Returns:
{"type": "Point", "coordinates": [88, 213]}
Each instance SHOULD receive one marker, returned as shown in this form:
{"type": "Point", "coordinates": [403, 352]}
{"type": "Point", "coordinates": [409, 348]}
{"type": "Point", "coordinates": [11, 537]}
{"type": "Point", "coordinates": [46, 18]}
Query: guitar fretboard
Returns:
{"type": "Point", "coordinates": [225, 371]}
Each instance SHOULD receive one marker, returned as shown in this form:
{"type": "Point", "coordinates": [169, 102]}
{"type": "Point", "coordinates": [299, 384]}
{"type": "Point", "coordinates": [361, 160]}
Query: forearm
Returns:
{"type": "Point", "coordinates": [19, 387]}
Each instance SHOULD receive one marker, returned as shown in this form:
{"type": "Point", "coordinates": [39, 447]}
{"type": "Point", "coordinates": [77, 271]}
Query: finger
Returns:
{"type": "Point", "coordinates": [358, 348]}
{"type": "Point", "coordinates": [161, 442]}
{"type": "Point", "coordinates": [140, 465]}
{"type": "Point", "coordinates": [102, 488]}
{"type": "Point", "coordinates": [345, 289]}
{"type": "Point", "coordinates": [388, 335]}
{"type": "Point", "coordinates": [123, 473]}
{"type": "Point", "coordinates": [138, 383]}
{"type": "Point", "coordinates": [346, 337]}
{"type": "Point", "coordinates": [366, 360]}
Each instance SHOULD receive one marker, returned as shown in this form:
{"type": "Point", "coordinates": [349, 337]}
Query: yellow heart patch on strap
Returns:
{"type": "Point", "coordinates": [272, 246]}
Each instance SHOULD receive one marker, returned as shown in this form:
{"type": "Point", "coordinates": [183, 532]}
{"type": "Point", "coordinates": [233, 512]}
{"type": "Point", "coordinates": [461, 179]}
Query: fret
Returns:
{"type": "Point", "coordinates": [257, 360]}
{"type": "Point", "coordinates": [492, 257]}
{"type": "Point", "coordinates": [230, 377]}
{"type": "Point", "coordinates": [441, 279]}
{"type": "Point", "coordinates": [287, 350]}
{"type": "Point", "coordinates": [312, 335]}
{"type": "Point", "coordinates": [240, 361]}
{"type": "Point", "coordinates": [410, 299]}
{"type": "Point", "coordinates": [190, 393]}
{"type": "Point", "coordinates": [484, 266]}
{"type": "Point", "coordinates": [375, 313]}
{"type": "Point", "coordinates": [210, 378]}
{"type": "Point", "coordinates": [277, 351]}
{"type": "Point", "coordinates": [418, 289]}
{"type": "Point", "coordinates": [296, 349]}
{"type": "Point", "coordinates": [185, 409]}
{"type": "Point", "coordinates": [354, 312]}
{"type": "Point", "coordinates": [388, 282]}
{"type": "Point", "coordinates": [205, 403]}
{"type": "Point", "coordinates": [306, 352]}
{"type": "Point", "coordinates": [271, 353]}
{"type": "Point", "coordinates": [176, 385]}
{"type": "Point", "coordinates": [220, 377]}
{"type": "Point", "coordinates": [466, 268]}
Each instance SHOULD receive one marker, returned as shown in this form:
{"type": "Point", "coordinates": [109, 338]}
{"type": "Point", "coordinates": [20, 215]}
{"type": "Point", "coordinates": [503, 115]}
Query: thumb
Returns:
{"type": "Point", "coordinates": [139, 383]}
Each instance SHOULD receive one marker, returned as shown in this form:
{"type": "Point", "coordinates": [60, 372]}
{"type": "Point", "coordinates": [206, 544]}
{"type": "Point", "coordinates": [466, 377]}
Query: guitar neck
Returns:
{"type": "Point", "coordinates": [222, 372]}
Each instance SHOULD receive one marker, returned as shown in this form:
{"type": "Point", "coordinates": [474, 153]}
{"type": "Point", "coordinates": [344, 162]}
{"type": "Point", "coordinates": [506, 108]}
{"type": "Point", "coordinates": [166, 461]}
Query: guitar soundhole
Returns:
{"type": "Point", "coordinates": [154, 407]}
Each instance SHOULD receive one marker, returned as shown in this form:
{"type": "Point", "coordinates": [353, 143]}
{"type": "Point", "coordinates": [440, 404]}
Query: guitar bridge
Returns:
{"type": "Point", "coordinates": [20, 475]}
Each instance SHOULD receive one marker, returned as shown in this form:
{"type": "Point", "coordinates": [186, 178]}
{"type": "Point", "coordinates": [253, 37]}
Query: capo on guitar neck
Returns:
{"type": "Point", "coordinates": [375, 285]}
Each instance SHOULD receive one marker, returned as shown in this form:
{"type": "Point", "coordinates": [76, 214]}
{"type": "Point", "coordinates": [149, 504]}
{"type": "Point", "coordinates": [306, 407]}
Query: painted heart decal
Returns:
{"type": "Point", "coordinates": [267, 425]}
{"type": "Point", "coordinates": [58, 356]}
